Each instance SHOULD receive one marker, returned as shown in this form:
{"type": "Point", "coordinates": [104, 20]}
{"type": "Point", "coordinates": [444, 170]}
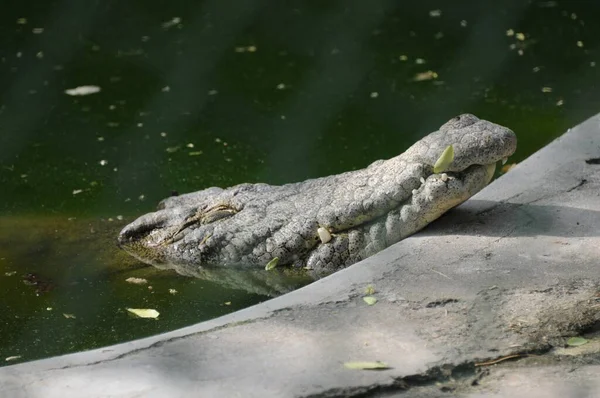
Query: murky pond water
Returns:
{"type": "Point", "coordinates": [198, 94]}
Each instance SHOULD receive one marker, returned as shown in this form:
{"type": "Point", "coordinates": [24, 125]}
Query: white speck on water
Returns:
{"type": "Point", "coordinates": [40, 54]}
{"type": "Point", "coordinates": [190, 145]}
{"type": "Point", "coordinates": [21, 21]}
{"type": "Point", "coordinates": [77, 191]}
{"type": "Point", "coordinates": [166, 89]}
{"type": "Point", "coordinates": [374, 94]}
{"type": "Point", "coordinates": [19, 54]}
{"type": "Point", "coordinates": [419, 61]}
{"type": "Point", "coordinates": [142, 197]}
{"type": "Point", "coordinates": [536, 69]}
{"type": "Point", "coordinates": [435, 13]}
{"type": "Point", "coordinates": [463, 23]}
{"type": "Point", "coordinates": [403, 57]}
{"type": "Point", "coordinates": [83, 90]}
{"type": "Point", "coordinates": [592, 64]}
{"type": "Point", "coordinates": [103, 162]}
{"type": "Point", "coordinates": [560, 102]}
{"type": "Point", "coordinates": [37, 31]}
{"type": "Point", "coordinates": [140, 124]}
{"type": "Point", "coordinates": [163, 134]}
{"type": "Point", "coordinates": [546, 89]}
{"type": "Point", "coordinates": [281, 86]}
{"type": "Point", "coordinates": [172, 22]}
{"type": "Point", "coordinates": [510, 33]}
{"type": "Point", "coordinates": [579, 43]}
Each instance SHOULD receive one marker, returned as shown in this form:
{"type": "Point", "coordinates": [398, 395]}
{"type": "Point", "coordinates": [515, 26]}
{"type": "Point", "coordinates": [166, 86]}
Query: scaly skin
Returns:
{"type": "Point", "coordinates": [365, 211]}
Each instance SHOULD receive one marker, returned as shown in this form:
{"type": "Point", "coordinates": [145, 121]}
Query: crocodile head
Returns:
{"type": "Point", "coordinates": [325, 223]}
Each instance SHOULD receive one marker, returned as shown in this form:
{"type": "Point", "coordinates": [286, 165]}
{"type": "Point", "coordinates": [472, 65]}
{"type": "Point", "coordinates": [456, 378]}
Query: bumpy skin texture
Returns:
{"type": "Point", "coordinates": [365, 210]}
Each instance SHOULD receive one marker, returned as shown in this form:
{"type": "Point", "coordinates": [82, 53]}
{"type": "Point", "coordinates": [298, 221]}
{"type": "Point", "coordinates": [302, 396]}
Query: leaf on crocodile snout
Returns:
{"type": "Point", "coordinates": [370, 300]}
{"type": "Point", "coordinates": [364, 365]}
{"type": "Point", "coordinates": [144, 312]}
{"type": "Point", "coordinates": [272, 264]}
{"type": "Point", "coordinates": [444, 160]}
{"type": "Point", "coordinates": [576, 341]}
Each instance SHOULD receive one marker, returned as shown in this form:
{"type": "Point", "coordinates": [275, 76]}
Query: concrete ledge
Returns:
{"type": "Point", "coordinates": [513, 271]}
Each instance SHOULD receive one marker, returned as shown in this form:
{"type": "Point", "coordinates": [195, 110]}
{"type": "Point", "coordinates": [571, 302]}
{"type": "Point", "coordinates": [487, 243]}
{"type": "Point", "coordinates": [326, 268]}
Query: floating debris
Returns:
{"type": "Point", "coordinates": [374, 94]}
{"type": "Point", "coordinates": [403, 58]}
{"type": "Point", "coordinates": [510, 33]}
{"type": "Point", "coordinates": [12, 358]}
{"type": "Point", "coordinates": [136, 281]}
{"type": "Point", "coordinates": [579, 43]}
{"type": "Point", "coordinates": [144, 312]}
{"type": "Point", "coordinates": [172, 22]}
{"type": "Point", "coordinates": [77, 191]}
{"type": "Point", "coordinates": [173, 291]}
{"type": "Point", "coordinates": [546, 89]}
{"type": "Point", "coordinates": [424, 76]}
{"type": "Point", "coordinates": [69, 316]}
{"type": "Point", "coordinates": [82, 90]}
{"type": "Point", "coordinates": [370, 289]}
{"type": "Point", "coordinates": [37, 31]}
{"type": "Point", "coordinates": [520, 36]}
{"type": "Point", "coordinates": [370, 300]}
{"type": "Point", "coordinates": [435, 13]}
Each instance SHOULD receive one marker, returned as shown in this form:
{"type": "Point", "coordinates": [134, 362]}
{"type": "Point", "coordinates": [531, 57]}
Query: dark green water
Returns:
{"type": "Point", "coordinates": [204, 93]}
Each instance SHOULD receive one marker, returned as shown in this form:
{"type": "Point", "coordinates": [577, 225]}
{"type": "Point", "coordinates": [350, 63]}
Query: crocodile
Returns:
{"type": "Point", "coordinates": [327, 223]}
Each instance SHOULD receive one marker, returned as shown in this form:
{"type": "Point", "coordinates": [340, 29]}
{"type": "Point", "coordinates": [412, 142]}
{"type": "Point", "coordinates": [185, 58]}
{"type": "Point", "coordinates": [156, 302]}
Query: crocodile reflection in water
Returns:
{"type": "Point", "coordinates": [326, 223]}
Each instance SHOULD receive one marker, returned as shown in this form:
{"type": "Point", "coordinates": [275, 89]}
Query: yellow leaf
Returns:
{"type": "Point", "coordinates": [370, 300]}
{"type": "Point", "coordinates": [272, 264]}
{"type": "Point", "coordinates": [445, 159]}
{"type": "Point", "coordinates": [144, 312]}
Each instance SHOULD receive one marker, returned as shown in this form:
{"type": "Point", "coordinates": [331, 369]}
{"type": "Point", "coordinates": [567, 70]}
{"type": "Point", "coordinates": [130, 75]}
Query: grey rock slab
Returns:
{"type": "Point", "coordinates": [514, 270]}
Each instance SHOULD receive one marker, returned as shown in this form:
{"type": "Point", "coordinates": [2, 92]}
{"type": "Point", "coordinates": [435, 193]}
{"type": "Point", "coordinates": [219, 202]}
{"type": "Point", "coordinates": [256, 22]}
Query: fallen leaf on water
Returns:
{"type": "Point", "coordinates": [576, 341]}
{"type": "Point", "coordinates": [12, 358]}
{"type": "Point", "coordinates": [69, 316]}
{"type": "Point", "coordinates": [423, 76]}
{"type": "Point", "coordinates": [144, 312]}
{"type": "Point", "coordinates": [370, 300]}
{"type": "Point", "coordinates": [363, 365]}
{"type": "Point", "coordinates": [82, 90]}
{"type": "Point", "coordinates": [272, 264]}
{"type": "Point", "coordinates": [136, 281]}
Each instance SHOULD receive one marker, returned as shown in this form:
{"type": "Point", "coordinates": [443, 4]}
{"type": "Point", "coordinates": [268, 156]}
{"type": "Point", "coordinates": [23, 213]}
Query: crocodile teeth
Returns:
{"type": "Point", "coordinates": [504, 161]}
{"type": "Point", "coordinates": [324, 234]}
